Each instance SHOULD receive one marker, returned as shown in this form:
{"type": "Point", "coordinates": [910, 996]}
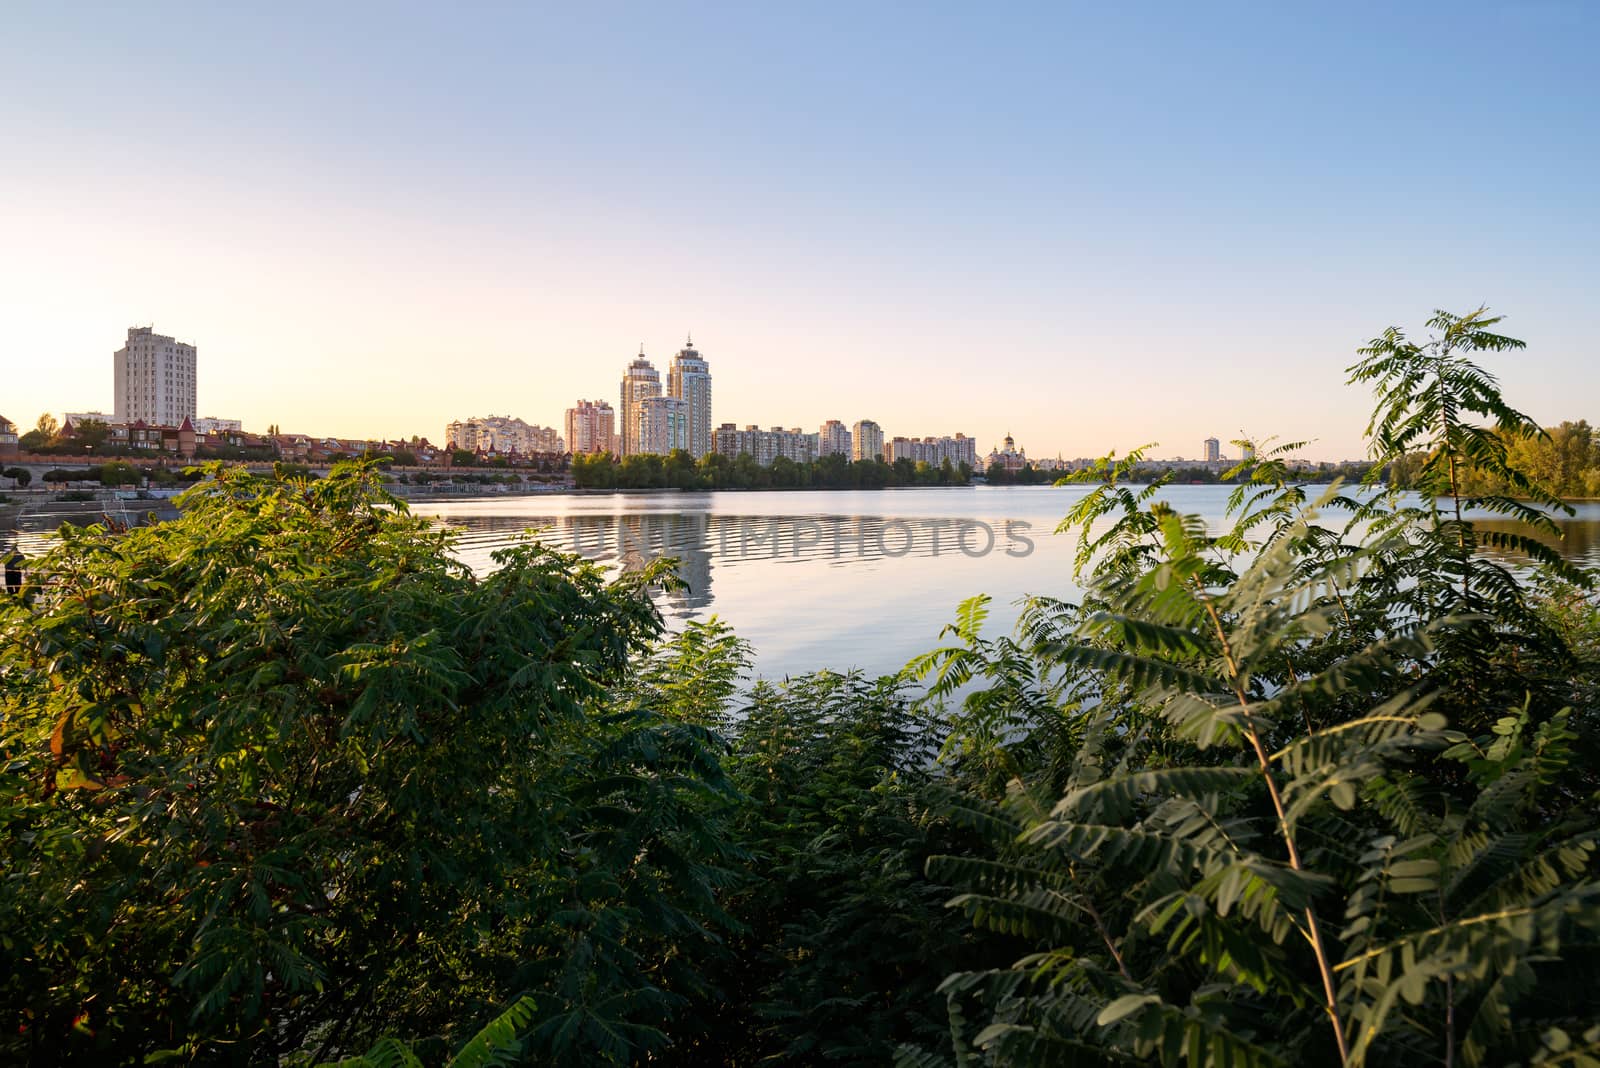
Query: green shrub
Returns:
{"type": "Point", "coordinates": [282, 775]}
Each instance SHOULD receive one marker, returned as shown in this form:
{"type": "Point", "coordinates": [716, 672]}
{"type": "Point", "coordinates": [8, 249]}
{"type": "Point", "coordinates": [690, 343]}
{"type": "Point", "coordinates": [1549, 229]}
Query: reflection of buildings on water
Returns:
{"type": "Point", "coordinates": [630, 541]}
{"type": "Point", "coordinates": [866, 539]}
{"type": "Point", "coordinates": [639, 538]}
{"type": "Point", "coordinates": [634, 539]}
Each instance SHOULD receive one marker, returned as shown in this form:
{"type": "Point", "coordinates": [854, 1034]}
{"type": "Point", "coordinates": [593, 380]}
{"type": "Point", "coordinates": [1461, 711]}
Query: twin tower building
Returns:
{"type": "Point", "coordinates": [680, 418]}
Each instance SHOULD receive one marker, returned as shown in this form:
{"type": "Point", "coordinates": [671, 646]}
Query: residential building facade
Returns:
{"type": "Point", "coordinates": [210, 424]}
{"type": "Point", "coordinates": [689, 380]}
{"type": "Point", "coordinates": [640, 381]}
{"type": "Point", "coordinates": [503, 435]}
{"type": "Point", "coordinates": [591, 427]}
{"type": "Point", "coordinates": [663, 424]}
{"type": "Point", "coordinates": [959, 450]}
{"type": "Point", "coordinates": [765, 446]}
{"type": "Point", "coordinates": [154, 379]}
{"type": "Point", "coordinates": [833, 439]}
{"type": "Point", "coordinates": [866, 441]}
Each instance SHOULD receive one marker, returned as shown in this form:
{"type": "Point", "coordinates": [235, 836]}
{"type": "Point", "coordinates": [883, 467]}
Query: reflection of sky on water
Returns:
{"type": "Point", "coordinates": [31, 523]}
{"type": "Point", "coordinates": [839, 579]}
{"type": "Point", "coordinates": [631, 540]}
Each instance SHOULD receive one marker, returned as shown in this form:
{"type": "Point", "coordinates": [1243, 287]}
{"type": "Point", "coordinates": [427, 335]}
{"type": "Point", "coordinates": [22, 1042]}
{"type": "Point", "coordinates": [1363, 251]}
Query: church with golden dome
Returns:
{"type": "Point", "coordinates": [1008, 456]}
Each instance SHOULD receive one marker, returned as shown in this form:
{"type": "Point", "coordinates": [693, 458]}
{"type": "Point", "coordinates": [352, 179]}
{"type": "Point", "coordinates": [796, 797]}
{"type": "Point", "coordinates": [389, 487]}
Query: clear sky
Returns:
{"type": "Point", "coordinates": [1094, 225]}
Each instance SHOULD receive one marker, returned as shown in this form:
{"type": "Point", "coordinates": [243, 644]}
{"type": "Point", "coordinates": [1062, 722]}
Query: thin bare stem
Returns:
{"type": "Point", "coordinates": [1449, 1021]}
{"type": "Point", "coordinates": [1105, 936]}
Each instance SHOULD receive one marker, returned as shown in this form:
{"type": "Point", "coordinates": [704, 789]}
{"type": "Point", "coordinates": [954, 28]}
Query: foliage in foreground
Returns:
{"type": "Point", "coordinates": [283, 783]}
{"type": "Point", "coordinates": [281, 777]}
{"type": "Point", "coordinates": [1322, 796]}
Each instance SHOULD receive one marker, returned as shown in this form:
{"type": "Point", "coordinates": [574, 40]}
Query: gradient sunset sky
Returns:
{"type": "Point", "coordinates": [1091, 225]}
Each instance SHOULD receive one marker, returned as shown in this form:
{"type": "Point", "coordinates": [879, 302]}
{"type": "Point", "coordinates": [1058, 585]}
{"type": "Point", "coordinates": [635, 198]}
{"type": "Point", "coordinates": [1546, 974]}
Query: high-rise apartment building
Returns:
{"type": "Point", "coordinates": [663, 424]}
{"type": "Point", "coordinates": [640, 381]}
{"type": "Point", "coordinates": [689, 380]}
{"type": "Point", "coordinates": [591, 427]}
{"type": "Point", "coordinates": [1213, 450]}
{"type": "Point", "coordinates": [798, 445]}
{"type": "Point", "coordinates": [155, 379]}
{"type": "Point", "coordinates": [867, 441]}
{"type": "Point", "coordinates": [833, 439]}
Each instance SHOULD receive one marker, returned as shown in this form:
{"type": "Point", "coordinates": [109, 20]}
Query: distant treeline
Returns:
{"type": "Point", "coordinates": [679, 470]}
{"type": "Point", "coordinates": [1029, 475]}
{"type": "Point", "coordinates": [1350, 471]}
{"type": "Point", "coordinates": [112, 473]}
{"type": "Point", "coordinates": [1565, 461]}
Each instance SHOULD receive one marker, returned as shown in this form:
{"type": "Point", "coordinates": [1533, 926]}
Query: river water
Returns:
{"type": "Point", "coordinates": [839, 579]}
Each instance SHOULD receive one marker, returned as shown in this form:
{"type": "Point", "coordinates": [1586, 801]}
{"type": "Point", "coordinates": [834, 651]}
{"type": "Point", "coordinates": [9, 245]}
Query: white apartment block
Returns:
{"type": "Point", "coordinates": [154, 379]}
{"type": "Point", "coordinates": [689, 380]}
{"type": "Point", "coordinates": [205, 424]}
{"type": "Point", "coordinates": [833, 439]}
{"type": "Point", "coordinates": [504, 435]}
{"type": "Point", "coordinates": [867, 438]}
{"type": "Point", "coordinates": [640, 381]}
{"type": "Point", "coordinates": [210, 424]}
{"type": "Point", "coordinates": [591, 427]}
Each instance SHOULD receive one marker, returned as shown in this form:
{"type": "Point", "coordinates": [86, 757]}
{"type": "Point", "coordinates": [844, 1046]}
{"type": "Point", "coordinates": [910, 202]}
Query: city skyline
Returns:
{"type": "Point", "coordinates": [1115, 227]}
{"type": "Point", "coordinates": [662, 420]}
